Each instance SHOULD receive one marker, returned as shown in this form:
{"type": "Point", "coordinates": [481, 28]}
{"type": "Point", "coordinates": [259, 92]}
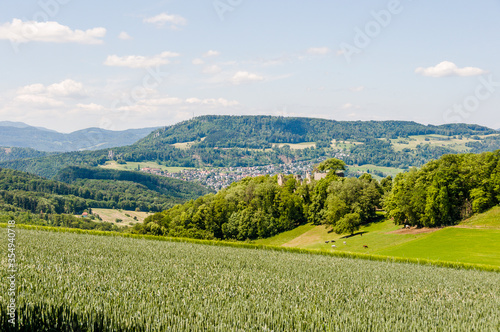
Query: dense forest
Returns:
{"type": "Point", "coordinates": [259, 132]}
{"type": "Point", "coordinates": [8, 154]}
{"type": "Point", "coordinates": [21, 191]}
{"type": "Point", "coordinates": [445, 191]}
{"type": "Point", "coordinates": [441, 193]}
{"type": "Point", "coordinates": [260, 207]}
{"type": "Point", "coordinates": [57, 220]}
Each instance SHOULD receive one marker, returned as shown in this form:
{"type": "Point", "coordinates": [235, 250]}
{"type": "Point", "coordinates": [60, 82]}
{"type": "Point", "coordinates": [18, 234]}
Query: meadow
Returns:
{"type": "Point", "coordinates": [475, 240]}
{"type": "Point", "coordinates": [455, 143]}
{"type": "Point", "coordinates": [111, 283]}
{"type": "Point", "coordinates": [132, 166]}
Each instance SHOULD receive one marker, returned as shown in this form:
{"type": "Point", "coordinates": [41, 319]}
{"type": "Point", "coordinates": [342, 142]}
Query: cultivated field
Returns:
{"type": "Point", "coordinates": [127, 217]}
{"type": "Point", "coordinates": [476, 240]}
{"type": "Point", "coordinates": [298, 146]}
{"type": "Point", "coordinates": [99, 283]}
{"type": "Point", "coordinates": [133, 166]}
{"type": "Point", "coordinates": [455, 143]}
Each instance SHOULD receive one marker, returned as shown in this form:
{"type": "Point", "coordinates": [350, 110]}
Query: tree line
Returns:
{"type": "Point", "coordinates": [446, 191]}
{"type": "Point", "coordinates": [92, 187]}
{"type": "Point", "coordinates": [260, 207]}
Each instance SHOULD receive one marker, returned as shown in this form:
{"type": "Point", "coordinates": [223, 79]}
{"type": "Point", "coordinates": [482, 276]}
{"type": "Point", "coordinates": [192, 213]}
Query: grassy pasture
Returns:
{"type": "Point", "coordinates": [132, 166]}
{"type": "Point", "coordinates": [476, 240]}
{"type": "Point", "coordinates": [114, 283]}
{"type": "Point", "coordinates": [456, 144]}
{"type": "Point", "coordinates": [392, 171]}
{"type": "Point", "coordinates": [298, 146]}
{"type": "Point", "coordinates": [489, 219]}
{"type": "Point", "coordinates": [338, 144]}
{"type": "Point", "coordinates": [478, 246]}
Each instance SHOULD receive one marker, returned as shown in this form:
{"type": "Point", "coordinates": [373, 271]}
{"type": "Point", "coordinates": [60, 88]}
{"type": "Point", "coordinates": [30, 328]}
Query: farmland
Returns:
{"type": "Point", "coordinates": [456, 143]}
{"type": "Point", "coordinates": [126, 217]}
{"type": "Point", "coordinates": [133, 166]}
{"type": "Point", "coordinates": [100, 283]}
{"type": "Point", "coordinates": [475, 240]}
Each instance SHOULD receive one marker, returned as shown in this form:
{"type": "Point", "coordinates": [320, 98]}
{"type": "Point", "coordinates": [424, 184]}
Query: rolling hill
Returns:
{"type": "Point", "coordinates": [242, 141]}
{"type": "Point", "coordinates": [475, 240]}
{"type": "Point", "coordinates": [86, 188]}
{"type": "Point", "coordinates": [20, 135]}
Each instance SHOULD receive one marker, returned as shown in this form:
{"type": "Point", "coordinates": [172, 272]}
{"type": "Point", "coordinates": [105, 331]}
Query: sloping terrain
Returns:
{"type": "Point", "coordinates": [475, 240]}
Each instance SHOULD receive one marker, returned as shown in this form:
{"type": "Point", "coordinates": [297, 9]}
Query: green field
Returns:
{"type": "Point", "coordinates": [297, 146]}
{"type": "Point", "coordinates": [476, 240]}
{"type": "Point", "coordinates": [392, 171]}
{"type": "Point", "coordinates": [455, 143]}
{"type": "Point", "coordinates": [338, 144]}
{"type": "Point", "coordinates": [133, 166]}
{"type": "Point", "coordinates": [71, 282]}
{"type": "Point", "coordinates": [477, 246]}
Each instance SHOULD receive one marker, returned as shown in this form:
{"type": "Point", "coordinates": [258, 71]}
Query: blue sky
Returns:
{"type": "Point", "coordinates": [69, 64]}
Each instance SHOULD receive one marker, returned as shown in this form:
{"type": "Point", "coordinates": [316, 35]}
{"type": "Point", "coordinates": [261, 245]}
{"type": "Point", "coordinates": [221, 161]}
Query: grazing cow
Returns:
{"type": "Point", "coordinates": [365, 246]}
{"type": "Point", "coordinates": [334, 246]}
{"type": "Point", "coordinates": [327, 241]}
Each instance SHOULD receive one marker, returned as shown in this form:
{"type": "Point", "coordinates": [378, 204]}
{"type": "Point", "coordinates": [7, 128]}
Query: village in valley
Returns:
{"type": "Point", "coordinates": [219, 178]}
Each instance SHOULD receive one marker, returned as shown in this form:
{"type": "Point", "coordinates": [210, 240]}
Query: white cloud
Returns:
{"type": "Point", "coordinates": [357, 88]}
{"type": "Point", "coordinates": [211, 70]}
{"type": "Point", "coordinates": [124, 36]}
{"type": "Point", "coordinates": [447, 68]}
{"type": "Point", "coordinates": [198, 62]}
{"type": "Point", "coordinates": [91, 107]}
{"type": "Point", "coordinates": [31, 89]}
{"type": "Point", "coordinates": [347, 106]}
{"type": "Point", "coordinates": [211, 53]}
{"type": "Point", "coordinates": [67, 88]}
{"type": "Point", "coordinates": [139, 61]}
{"type": "Point", "coordinates": [213, 102]}
{"type": "Point", "coordinates": [39, 101]}
{"type": "Point", "coordinates": [164, 18]}
{"type": "Point", "coordinates": [52, 32]}
{"type": "Point", "coordinates": [245, 77]}
{"type": "Point", "coordinates": [318, 51]}
{"type": "Point", "coordinates": [162, 101]}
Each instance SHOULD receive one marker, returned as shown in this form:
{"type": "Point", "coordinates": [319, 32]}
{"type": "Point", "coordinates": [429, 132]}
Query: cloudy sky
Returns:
{"type": "Point", "coordinates": [72, 64]}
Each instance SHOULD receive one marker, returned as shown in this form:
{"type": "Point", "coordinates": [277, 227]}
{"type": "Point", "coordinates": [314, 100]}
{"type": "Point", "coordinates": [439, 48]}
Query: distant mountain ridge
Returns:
{"type": "Point", "coordinates": [262, 131]}
{"type": "Point", "coordinates": [21, 135]}
{"type": "Point", "coordinates": [244, 141]}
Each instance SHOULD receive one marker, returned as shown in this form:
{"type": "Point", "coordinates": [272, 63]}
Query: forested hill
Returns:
{"type": "Point", "coordinates": [176, 190]}
{"type": "Point", "coordinates": [8, 154]}
{"type": "Point", "coordinates": [262, 131]}
{"type": "Point", "coordinates": [21, 191]}
{"type": "Point", "coordinates": [242, 141]}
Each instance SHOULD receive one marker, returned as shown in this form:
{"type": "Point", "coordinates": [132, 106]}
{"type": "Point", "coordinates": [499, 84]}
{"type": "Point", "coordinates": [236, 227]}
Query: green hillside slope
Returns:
{"type": "Point", "coordinates": [475, 240]}
{"type": "Point", "coordinates": [21, 191]}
